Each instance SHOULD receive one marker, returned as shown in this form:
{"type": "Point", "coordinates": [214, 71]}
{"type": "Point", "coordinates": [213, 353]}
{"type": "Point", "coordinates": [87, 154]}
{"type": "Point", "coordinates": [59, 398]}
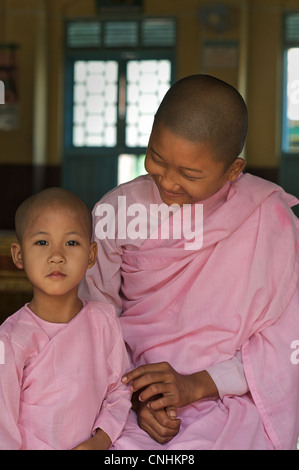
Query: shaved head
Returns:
{"type": "Point", "coordinates": [201, 108]}
{"type": "Point", "coordinates": [51, 198]}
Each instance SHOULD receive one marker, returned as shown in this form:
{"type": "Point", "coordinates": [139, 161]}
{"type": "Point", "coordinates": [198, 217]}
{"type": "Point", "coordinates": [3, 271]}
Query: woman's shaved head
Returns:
{"type": "Point", "coordinates": [201, 108]}
{"type": "Point", "coordinates": [51, 198]}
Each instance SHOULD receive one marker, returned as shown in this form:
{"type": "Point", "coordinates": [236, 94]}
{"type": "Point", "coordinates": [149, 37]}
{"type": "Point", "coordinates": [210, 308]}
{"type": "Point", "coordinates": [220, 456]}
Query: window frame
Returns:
{"type": "Point", "coordinates": [287, 44]}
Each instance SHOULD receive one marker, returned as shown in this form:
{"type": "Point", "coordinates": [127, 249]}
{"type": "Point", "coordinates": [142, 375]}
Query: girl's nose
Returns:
{"type": "Point", "coordinates": [56, 258]}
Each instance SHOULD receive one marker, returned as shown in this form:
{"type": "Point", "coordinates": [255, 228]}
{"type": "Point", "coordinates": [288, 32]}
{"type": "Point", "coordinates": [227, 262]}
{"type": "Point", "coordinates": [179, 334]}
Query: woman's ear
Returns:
{"type": "Point", "coordinates": [16, 254]}
{"type": "Point", "coordinates": [236, 169]}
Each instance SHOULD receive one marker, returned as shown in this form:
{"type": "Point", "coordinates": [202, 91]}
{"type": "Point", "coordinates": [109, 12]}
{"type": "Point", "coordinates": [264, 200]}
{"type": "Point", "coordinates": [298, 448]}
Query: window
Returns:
{"type": "Point", "coordinates": [95, 103]}
{"type": "Point", "coordinates": [290, 121]}
{"type": "Point", "coordinates": [101, 99]}
{"type": "Point", "coordinates": [117, 73]}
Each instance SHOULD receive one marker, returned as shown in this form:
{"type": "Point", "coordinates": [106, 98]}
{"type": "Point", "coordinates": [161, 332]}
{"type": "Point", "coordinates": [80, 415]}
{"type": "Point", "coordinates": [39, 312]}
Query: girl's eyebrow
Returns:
{"type": "Point", "coordinates": [77, 234]}
{"type": "Point", "coordinates": [181, 167]}
{"type": "Point", "coordinates": [73, 232]}
{"type": "Point", "coordinates": [35, 234]}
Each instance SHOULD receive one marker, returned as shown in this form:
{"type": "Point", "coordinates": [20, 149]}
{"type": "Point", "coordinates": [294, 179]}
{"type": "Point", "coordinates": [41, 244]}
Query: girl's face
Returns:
{"type": "Point", "coordinates": [55, 251]}
{"type": "Point", "coordinates": [186, 172]}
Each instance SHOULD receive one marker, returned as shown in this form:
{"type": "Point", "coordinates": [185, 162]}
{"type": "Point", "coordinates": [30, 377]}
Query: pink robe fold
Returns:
{"type": "Point", "coordinates": [60, 382]}
{"type": "Point", "coordinates": [195, 309]}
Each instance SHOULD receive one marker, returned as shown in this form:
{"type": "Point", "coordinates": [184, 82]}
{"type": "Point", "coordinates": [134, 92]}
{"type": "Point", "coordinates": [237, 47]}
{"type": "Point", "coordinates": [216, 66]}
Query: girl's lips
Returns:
{"type": "Point", "coordinates": [56, 275]}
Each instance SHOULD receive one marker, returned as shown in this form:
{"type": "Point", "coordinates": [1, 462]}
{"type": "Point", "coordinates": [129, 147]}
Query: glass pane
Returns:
{"type": "Point", "coordinates": [78, 136]}
{"type": "Point", "coordinates": [80, 71]}
{"type": "Point", "coordinates": [95, 103]}
{"type": "Point", "coordinates": [84, 34]}
{"type": "Point", "coordinates": [79, 93]}
{"type": "Point", "coordinates": [129, 167]}
{"type": "Point", "coordinates": [159, 32]}
{"type": "Point", "coordinates": [110, 136]}
{"type": "Point", "coordinates": [147, 83]}
{"type": "Point", "coordinates": [121, 33]}
{"type": "Point", "coordinates": [292, 111]}
{"type": "Point", "coordinates": [79, 114]}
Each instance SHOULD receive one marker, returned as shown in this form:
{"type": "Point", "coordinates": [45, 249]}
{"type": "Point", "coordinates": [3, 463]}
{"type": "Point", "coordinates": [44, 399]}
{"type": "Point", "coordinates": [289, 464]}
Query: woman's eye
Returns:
{"type": "Point", "coordinates": [158, 162]}
{"type": "Point", "coordinates": [192, 178]}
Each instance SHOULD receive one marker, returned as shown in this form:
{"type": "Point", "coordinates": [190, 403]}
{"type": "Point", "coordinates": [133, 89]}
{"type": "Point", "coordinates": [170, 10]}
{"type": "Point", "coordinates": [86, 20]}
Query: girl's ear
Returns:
{"type": "Point", "coordinates": [93, 251]}
{"type": "Point", "coordinates": [16, 254]}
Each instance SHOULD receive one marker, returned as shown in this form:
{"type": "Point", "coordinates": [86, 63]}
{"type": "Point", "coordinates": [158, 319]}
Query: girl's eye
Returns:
{"type": "Point", "coordinates": [72, 243]}
{"type": "Point", "coordinates": [41, 243]}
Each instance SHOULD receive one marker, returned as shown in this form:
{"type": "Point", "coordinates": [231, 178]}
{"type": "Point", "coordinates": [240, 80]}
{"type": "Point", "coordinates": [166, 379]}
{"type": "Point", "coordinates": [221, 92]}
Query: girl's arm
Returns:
{"type": "Point", "coordinates": [100, 441]}
{"type": "Point", "coordinates": [10, 391]}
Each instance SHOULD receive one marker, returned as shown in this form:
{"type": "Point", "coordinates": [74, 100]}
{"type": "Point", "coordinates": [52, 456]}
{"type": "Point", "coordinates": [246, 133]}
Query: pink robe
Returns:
{"type": "Point", "coordinates": [60, 382]}
{"type": "Point", "coordinates": [236, 295]}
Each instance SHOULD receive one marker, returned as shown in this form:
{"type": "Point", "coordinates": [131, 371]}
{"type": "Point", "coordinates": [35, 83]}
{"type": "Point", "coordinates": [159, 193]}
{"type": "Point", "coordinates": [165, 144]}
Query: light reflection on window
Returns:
{"type": "Point", "coordinates": [292, 111]}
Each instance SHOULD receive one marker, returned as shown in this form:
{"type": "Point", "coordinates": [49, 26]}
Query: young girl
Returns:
{"type": "Point", "coordinates": [210, 329]}
{"type": "Point", "coordinates": [60, 384]}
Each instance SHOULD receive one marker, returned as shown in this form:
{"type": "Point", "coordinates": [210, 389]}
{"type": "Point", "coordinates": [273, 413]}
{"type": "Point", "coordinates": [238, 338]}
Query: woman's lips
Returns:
{"type": "Point", "coordinates": [171, 194]}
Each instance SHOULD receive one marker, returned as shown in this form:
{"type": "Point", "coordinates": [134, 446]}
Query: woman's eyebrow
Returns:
{"type": "Point", "coordinates": [181, 167]}
{"type": "Point", "coordinates": [191, 169]}
{"type": "Point", "coordinates": [156, 153]}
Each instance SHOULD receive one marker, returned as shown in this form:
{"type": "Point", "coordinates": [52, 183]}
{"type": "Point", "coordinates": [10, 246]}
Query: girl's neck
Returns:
{"type": "Point", "coordinates": [55, 309]}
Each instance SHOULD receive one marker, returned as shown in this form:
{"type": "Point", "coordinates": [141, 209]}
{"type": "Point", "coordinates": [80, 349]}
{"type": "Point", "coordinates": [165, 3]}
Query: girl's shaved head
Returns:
{"type": "Point", "coordinates": [51, 198]}
{"type": "Point", "coordinates": [201, 108]}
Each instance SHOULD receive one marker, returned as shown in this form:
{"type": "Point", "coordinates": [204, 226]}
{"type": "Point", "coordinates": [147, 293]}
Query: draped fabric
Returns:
{"type": "Point", "coordinates": [60, 382]}
{"type": "Point", "coordinates": [238, 293]}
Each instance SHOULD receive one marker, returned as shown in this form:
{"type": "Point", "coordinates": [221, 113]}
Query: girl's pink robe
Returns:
{"type": "Point", "coordinates": [235, 296]}
{"type": "Point", "coordinates": [60, 382]}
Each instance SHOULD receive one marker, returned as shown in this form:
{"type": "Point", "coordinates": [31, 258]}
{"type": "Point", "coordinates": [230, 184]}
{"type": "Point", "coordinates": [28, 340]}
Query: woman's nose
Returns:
{"type": "Point", "coordinates": [168, 179]}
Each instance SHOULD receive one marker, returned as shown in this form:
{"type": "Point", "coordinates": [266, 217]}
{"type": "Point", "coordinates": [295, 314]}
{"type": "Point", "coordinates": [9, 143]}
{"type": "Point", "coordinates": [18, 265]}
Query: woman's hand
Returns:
{"type": "Point", "coordinates": [168, 386]}
{"type": "Point", "coordinates": [158, 390]}
{"type": "Point", "coordinates": [158, 425]}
